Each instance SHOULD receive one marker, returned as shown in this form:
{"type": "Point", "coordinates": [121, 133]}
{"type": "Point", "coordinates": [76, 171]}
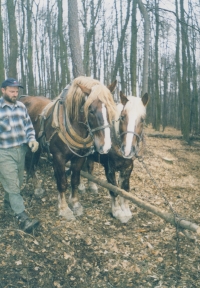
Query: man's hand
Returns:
{"type": "Point", "coordinates": [33, 145]}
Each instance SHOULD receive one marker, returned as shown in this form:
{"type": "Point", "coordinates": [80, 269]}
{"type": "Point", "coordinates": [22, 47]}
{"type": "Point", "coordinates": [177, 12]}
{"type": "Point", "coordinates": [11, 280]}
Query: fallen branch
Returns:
{"type": "Point", "coordinates": [169, 136]}
{"type": "Point", "coordinates": [170, 218]}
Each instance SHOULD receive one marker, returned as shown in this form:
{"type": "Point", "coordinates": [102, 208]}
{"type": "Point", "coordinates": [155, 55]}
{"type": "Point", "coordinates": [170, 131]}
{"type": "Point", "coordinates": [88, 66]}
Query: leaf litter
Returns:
{"type": "Point", "coordinates": [98, 251]}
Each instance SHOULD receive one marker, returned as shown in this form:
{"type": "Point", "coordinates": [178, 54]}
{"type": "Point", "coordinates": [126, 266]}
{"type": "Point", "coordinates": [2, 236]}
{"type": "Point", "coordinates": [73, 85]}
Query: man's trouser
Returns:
{"type": "Point", "coordinates": [11, 175]}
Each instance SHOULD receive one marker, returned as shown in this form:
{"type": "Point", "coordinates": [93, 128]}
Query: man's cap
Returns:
{"type": "Point", "coordinates": [11, 82]}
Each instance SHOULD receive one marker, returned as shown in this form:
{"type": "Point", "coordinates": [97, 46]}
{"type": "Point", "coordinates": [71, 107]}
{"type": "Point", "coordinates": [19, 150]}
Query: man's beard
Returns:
{"type": "Point", "coordinates": [10, 100]}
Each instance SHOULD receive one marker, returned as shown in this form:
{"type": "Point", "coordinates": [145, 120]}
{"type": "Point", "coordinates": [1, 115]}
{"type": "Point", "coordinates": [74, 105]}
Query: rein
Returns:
{"type": "Point", "coordinates": [96, 129]}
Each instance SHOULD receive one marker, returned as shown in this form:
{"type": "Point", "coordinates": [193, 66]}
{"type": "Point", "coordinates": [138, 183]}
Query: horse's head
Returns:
{"type": "Point", "coordinates": [99, 111]}
{"type": "Point", "coordinates": [132, 112]}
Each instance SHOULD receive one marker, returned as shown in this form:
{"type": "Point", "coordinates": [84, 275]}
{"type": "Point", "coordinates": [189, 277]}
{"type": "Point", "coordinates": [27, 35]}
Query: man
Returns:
{"type": "Point", "coordinates": [16, 131]}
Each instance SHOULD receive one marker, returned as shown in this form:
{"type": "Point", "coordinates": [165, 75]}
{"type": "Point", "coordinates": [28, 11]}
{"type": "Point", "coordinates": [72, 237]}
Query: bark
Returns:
{"type": "Point", "coordinates": [30, 79]}
{"type": "Point", "coordinates": [168, 217]}
{"type": "Point", "coordinates": [22, 46]}
{"type": "Point", "coordinates": [118, 59]}
{"type": "Point", "coordinates": [51, 56]}
{"type": "Point", "coordinates": [185, 89]}
{"type": "Point", "coordinates": [12, 65]}
{"type": "Point", "coordinates": [178, 69]}
{"type": "Point", "coordinates": [74, 38]}
{"type": "Point", "coordinates": [63, 50]}
{"type": "Point", "coordinates": [157, 93]}
{"type": "Point", "coordinates": [146, 47]}
{"type": "Point", "coordinates": [1, 49]}
{"type": "Point", "coordinates": [133, 60]}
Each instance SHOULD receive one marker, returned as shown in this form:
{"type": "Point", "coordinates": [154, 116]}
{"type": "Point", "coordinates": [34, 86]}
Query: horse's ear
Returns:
{"type": "Point", "coordinates": [123, 98]}
{"type": "Point", "coordinates": [112, 86]}
{"type": "Point", "coordinates": [145, 99]}
{"type": "Point", "coordinates": [84, 89]}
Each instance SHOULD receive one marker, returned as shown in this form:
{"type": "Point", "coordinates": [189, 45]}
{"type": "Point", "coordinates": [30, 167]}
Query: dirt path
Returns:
{"type": "Point", "coordinates": [98, 251]}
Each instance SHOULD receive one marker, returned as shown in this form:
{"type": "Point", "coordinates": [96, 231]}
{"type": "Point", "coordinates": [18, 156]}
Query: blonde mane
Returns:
{"type": "Point", "coordinates": [76, 98]}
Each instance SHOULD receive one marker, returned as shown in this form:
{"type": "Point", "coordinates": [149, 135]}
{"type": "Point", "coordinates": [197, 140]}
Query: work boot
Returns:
{"type": "Point", "coordinates": [7, 208]}
{"type": "Point", "coordinates": [25, 223]}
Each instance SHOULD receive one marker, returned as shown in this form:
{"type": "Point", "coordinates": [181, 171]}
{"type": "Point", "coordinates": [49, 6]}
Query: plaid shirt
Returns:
{"type": "Point", "coordinates": [16, 127]}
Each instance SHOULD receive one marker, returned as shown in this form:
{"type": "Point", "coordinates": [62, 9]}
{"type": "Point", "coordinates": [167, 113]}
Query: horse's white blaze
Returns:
{"type": "Point", "coordinates": [135, 110]}
{"type": "Point", "coordinates": [107, 140]}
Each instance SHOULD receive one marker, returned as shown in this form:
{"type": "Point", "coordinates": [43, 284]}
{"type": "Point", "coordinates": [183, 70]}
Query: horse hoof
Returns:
{"type": "Point", "coordinates": [77, 209]}
{"type": "Point", "coordinates": [121, 216]}
{"type": "Point", "coordinates": [81, 188]}
{"type": "Point", "coordinates": [67, 214]}
{"type": "Point", "coordinates": [93, 188]}
{"type": "Point", "coordinates": [124, 219]}
{"type": "Point", "coordinates": [38, 192]}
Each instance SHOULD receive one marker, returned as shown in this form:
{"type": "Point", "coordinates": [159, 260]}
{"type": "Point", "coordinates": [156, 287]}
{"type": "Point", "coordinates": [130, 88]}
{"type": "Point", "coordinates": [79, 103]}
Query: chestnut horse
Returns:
{"type": "Point", "coordinates": [127, 139]}
{"type": "Point", "coordinates": [69, 128]}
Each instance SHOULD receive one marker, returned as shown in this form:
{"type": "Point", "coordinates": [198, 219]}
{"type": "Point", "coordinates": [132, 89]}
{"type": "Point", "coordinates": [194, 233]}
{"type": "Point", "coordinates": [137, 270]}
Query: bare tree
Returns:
{"type": "Point", "coordinates": [30, 78]}
{"type": "Point", "coordinates": [74, 38]}
{"type": "Point", "coordinates": [133, 56]}
{"type": "Point", "coordinates": [186, 101]}
{"type": "Point", "coordinates": [146, 46]}
{"type": "Point", "coordinates": [12, 63]}
{"type": "Point", "coordinates": [65, 73]}
{"type": "Point", "coordinates": [156, 79]}
{"type": "Point", "coordinates": [1, 49]}
{"type": "Point", "coordinates": [118, 59]}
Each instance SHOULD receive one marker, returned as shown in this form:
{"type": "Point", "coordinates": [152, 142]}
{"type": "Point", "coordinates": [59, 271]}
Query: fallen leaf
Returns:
{"type": "Point", "coordinates": [19, 262]}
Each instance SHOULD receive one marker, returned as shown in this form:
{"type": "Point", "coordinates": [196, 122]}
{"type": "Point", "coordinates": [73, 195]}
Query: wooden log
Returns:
{"type": "Point", "coordinates": [168, 217]}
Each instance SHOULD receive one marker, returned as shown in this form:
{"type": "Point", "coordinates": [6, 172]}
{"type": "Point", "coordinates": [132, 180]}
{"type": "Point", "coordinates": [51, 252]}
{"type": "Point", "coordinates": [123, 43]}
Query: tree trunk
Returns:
{"type": "Point", "coordinates": [157, 92]}
{"type": "Point", "coordinates": [1, 49]}
{"type": "Point", "coordinates": [185, 91]}
{"type": "Point", "coordinates": [22, 47]}
{"type": "Point", "coordinates": [146, 47]}
{"type": "Point", "coordinates": [12, 62]}
{"type": "Point", "coordinates": [51, 58]}
{"type": "Point", "coordinates": [30, 78]}
{"type": "Point", "coordinates": [63, 50]}
{"type": "Point", "coordinates": [74, 39]}
{"type": "Point", "coordinates": [178, 69]}
{"type": "Point", "coordinates": [118, 59]}
{"type": "Point", "coordinates": [133, 60]}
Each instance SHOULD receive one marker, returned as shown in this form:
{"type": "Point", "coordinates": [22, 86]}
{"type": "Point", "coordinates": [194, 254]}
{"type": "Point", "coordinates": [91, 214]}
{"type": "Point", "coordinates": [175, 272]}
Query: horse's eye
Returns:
{"type": "Point", "coordinates": [142, 120]}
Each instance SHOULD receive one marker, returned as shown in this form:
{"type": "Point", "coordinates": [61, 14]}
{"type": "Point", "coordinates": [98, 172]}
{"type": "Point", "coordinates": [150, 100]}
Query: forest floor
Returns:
{"type": "Point", "coordinates": [96, 250]}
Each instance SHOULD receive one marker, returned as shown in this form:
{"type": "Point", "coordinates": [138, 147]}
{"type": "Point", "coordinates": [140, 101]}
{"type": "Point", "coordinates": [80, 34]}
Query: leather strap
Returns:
{"type": "Point", "coordinates": [68, 134]}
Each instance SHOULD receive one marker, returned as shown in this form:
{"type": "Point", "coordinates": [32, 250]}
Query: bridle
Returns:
{"type": "Point", "coordinates": [91, 131]}
{"type": "Point", "coordinates": [140, 137]}
{"type": "Point", "coordinates": [66, 132]}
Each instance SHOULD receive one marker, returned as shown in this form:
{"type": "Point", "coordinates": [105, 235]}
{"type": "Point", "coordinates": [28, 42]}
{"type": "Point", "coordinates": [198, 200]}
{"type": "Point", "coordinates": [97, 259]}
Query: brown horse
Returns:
{"type": "Point", "coordinates": [127, 140]}
{"type": "Point", "coordinates": [69, 128]}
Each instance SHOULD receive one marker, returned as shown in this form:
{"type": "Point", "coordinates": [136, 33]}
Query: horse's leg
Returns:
{"type": "Point", "coordinates": [111, 178]}
{"type": "Point", "coordinates": [76, 165]}
{"type": "Point", "coordinates": [61, 179]}
{"type": "Point", "coordinates": [31, 161]}
{"type": "Point", "coordinates": [81, 186]}
{"type": "Point", "coordinates": [90, 168]}
{"type": "Point", "coordinates": [124, 183]}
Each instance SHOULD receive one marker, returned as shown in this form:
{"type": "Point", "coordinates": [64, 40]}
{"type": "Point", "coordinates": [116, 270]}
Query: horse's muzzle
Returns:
{"type": "Point", "coordinates": [130, 155]}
